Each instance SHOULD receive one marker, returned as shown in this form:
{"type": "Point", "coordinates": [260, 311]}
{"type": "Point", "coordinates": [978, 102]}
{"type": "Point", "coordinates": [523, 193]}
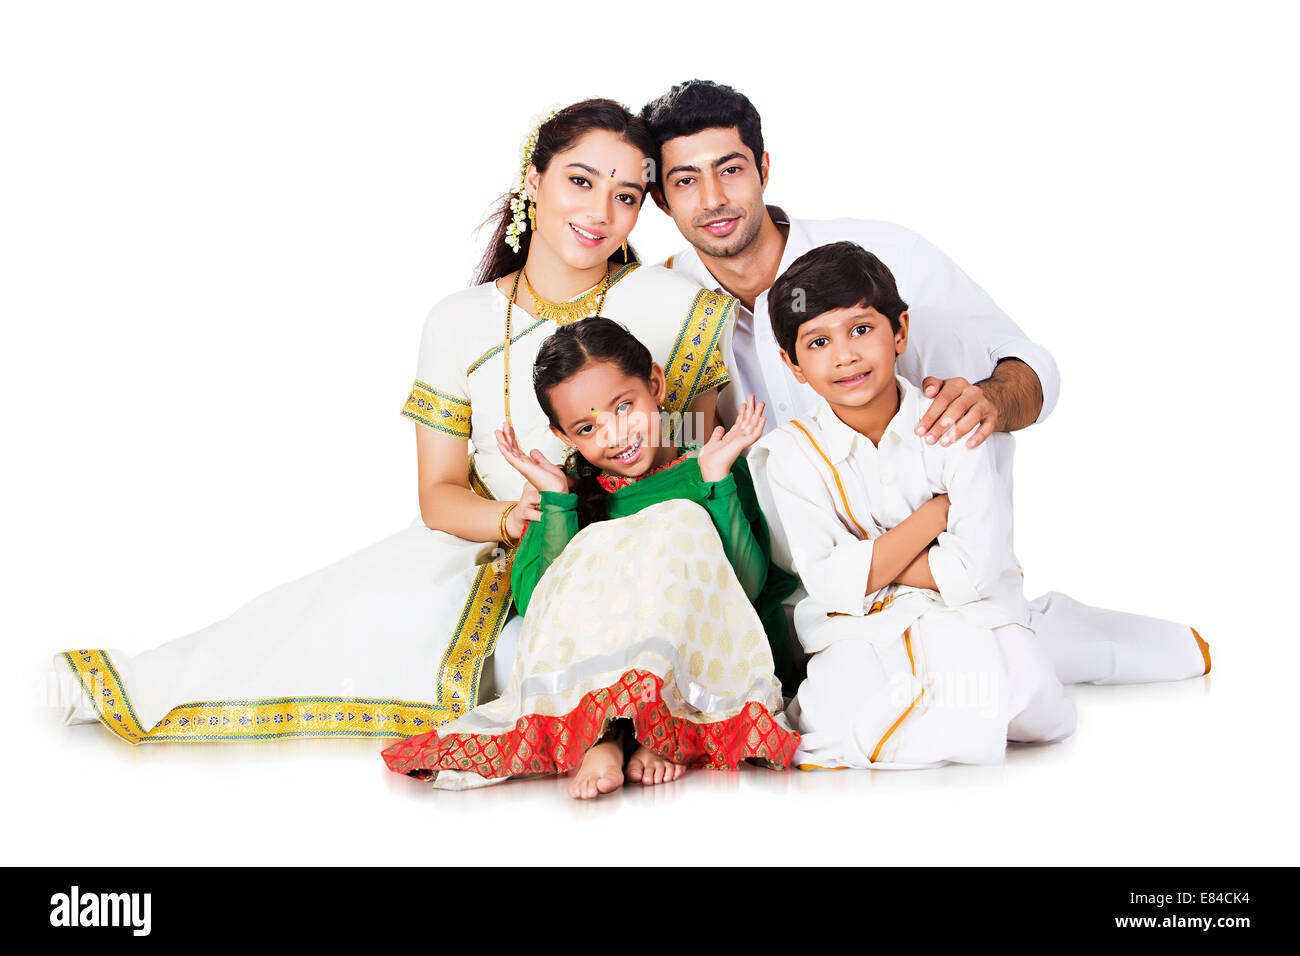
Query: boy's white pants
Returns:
{"type": "Point", "coordinates": [943, 691]}
{"type": "Point", "coordinates": [1091, 645]}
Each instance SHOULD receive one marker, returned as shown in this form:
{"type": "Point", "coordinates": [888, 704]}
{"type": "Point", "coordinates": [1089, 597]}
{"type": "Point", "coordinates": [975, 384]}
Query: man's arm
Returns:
{"type": "Point", "coordinates": [1008, 400]}
{"type": "Point", "coordinates": [1024, 383]}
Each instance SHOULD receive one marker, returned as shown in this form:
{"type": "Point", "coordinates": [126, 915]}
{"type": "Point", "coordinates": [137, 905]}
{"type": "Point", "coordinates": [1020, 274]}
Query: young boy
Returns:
{"type": "Point", "coordinates": [920, 653]}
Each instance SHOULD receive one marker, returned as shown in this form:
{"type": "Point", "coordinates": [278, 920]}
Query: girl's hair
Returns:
{"type": "Point", "coordinates": [556, 135]}
{"type": "Point", "coordinates": [562, 356]}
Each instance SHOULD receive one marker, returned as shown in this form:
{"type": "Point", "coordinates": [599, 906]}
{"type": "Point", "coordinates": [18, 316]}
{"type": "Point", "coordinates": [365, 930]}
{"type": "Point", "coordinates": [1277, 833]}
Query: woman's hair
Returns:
{"type": "Point", "coordinates": [562, 356]}
{"type": "Point", "coordinates": [556, 135]}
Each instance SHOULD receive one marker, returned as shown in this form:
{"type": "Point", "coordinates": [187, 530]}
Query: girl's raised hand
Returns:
{"type": "Point", "coordinates": [540, 473]}
{"type": "Point", "coordinates": [722, 449]}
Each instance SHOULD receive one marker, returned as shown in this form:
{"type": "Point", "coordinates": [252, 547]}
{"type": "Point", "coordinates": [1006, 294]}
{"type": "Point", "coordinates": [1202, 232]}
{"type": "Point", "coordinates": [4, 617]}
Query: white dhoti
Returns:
{"type": "Point", "coordinates": [1090, 645]}
{"type": "Point", "coordinates": [942, 689]}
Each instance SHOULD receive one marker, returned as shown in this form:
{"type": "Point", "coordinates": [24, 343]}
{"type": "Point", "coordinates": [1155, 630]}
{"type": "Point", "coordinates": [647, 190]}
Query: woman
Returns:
{"type": "Point", "coordinates": [399, 637]}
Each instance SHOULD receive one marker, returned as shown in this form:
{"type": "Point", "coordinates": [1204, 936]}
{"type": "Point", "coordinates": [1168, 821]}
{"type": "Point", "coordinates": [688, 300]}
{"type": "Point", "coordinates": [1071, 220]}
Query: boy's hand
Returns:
{"type": "Point", "coordinates": [958, 407]}
{"type": "Point", "coordinates": [542, 474]}
{"type": "Point", "coordinates": [722, 450]}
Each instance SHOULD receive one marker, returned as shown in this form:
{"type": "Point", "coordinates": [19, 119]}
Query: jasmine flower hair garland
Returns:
{"type": "Point", "coordinates": [521, 214]}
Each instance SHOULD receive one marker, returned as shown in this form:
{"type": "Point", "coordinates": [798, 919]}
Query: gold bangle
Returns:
{"type": "Point", "coordinates": [508, 541]}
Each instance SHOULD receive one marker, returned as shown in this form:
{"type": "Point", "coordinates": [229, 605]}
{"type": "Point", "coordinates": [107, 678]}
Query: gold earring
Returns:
{"type": "Point", "coordinates": [625, 250]}
{"type": "Point", "coordinates": [532, 215]}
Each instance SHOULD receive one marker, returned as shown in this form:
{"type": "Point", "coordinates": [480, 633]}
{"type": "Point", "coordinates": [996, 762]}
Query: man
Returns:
{"type": "Point", "coordinates": [970, 358]}
{"type": "Point", "coordinates": [978, 369]}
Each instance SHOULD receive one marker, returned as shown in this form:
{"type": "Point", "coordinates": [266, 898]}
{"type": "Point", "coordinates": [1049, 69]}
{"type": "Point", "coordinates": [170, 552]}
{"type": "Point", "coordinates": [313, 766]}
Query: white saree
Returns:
{"type": "Point", "coordinates": [394, 639]}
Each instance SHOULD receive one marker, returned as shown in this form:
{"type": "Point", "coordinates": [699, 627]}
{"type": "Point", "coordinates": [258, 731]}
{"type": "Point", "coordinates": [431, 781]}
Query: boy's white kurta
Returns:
{"type": "Point", "coordinates": [907, 677]}
{"type": "Point", "coordinates": [956, 329]}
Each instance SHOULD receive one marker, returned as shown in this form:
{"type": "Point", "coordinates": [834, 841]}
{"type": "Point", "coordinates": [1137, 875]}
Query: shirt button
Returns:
{"type": "Point", "coordinates": [784, 406]}
{"type": "Point", "coordinates": [887, 477]}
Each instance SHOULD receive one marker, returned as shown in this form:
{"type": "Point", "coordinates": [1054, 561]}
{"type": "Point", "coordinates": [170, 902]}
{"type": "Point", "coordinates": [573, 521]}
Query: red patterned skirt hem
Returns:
{"type": "Point", "coordinates": [539, 744]}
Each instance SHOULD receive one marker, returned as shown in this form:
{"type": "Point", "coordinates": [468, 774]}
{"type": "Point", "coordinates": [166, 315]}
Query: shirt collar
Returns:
{"type": "Point", "coordinates": [840, 438]}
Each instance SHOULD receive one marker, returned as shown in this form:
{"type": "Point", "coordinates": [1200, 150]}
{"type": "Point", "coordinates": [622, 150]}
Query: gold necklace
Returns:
{"type": "Point", "coordinates": [541, 307]}
{"type": "Point", "coordinates": [562, 313]}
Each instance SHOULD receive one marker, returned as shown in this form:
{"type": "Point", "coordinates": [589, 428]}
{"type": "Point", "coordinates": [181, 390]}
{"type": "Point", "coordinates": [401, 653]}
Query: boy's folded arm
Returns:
{"type": "Point", "coordinates": [542, 544]}
{"type": "Point", "coordinates": [900, 552]}
{"type": "Point", "coordinates": [917, 574]}
{"type": "Point", "coordinates": [976, 547]}
{"type": "Point", "coordinates": [831, 563]}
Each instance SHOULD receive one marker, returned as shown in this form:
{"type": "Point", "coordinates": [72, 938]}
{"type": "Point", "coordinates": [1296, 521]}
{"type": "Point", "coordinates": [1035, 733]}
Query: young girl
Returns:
{"type": "Point", "coordinates": [642, 635]}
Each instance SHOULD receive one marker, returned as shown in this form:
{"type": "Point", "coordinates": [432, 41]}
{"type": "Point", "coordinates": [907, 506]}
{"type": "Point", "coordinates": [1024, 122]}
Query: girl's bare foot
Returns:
{"type": "Point", "coordinates": [601, 771]}
{"type": "Point", "coordinates": [650, 768]}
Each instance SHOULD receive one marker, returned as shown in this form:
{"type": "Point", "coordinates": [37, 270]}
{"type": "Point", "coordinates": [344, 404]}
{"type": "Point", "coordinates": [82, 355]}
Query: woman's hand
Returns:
{"type": "Point", "coordinates": [528, 509]}
{"type": "Point", "coordinates": [722, 450]}
{"type": "Point", "coordinates": [540, 473]}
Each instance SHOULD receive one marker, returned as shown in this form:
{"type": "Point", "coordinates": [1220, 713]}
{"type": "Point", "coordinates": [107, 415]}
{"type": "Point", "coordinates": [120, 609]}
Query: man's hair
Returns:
{"type": "Point", "coordinates": [696, 105]}
{"type": "Point", "coordinates": [839, 275]}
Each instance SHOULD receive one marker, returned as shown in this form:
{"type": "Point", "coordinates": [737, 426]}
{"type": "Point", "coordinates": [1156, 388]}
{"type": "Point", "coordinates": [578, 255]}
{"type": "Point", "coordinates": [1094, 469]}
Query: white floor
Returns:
{"type": "Point", "coordinates": [1161, 774]}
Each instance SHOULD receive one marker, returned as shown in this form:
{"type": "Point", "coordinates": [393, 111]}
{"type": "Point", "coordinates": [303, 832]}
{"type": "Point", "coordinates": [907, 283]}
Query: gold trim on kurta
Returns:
{"type": "Point", "coordinates": [876, 607]}
{"type": "Point", "coordinates": [838, 484]}
{"type": "Point", "coordinates": [439, 410]}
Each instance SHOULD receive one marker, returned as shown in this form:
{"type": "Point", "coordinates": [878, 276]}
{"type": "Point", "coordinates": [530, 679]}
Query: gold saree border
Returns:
{"type": "Point", "coordinates": [844, 498]}
{"type": "Point", "coordinates": [267, 719]}
{"type": "Point", "coordinates": [695, 362]}
{"type": "Point", "coordinates": [485, 611]}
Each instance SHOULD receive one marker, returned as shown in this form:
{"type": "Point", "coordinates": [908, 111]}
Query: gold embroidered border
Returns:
{"type": "Point", "coordinates": [481, 619]}
{"type": "Point", "coordinates": [439, 410]}
{"type": "Point", "coordinates": [278, 718]}
{"type": "Point", "coordinates": [475, 635]}
{"type": "Point", "coordinates": [695, 363]}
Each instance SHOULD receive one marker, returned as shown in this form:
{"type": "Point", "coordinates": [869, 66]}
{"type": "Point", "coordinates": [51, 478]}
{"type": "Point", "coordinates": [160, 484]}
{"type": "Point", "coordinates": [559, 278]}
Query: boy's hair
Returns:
{"type": "Point", "coordinates": [696, 105]}
{"type": "Point", "coordinates": [839, 275]}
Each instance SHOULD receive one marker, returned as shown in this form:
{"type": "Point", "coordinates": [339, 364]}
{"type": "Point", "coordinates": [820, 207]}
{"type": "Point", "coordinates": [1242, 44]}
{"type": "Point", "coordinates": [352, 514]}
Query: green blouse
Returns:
{"type": "Point", "coordinates": [732, 505]}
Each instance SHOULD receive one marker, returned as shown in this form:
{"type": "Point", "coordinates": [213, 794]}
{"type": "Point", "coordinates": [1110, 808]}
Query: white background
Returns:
{"type": "Point", "coordinates": [223, 224]}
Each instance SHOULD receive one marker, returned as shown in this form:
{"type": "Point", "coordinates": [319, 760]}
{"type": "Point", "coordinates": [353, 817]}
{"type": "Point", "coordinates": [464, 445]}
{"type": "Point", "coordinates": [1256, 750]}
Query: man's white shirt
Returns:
{"type": "Point", "coordinates": [956, 328]}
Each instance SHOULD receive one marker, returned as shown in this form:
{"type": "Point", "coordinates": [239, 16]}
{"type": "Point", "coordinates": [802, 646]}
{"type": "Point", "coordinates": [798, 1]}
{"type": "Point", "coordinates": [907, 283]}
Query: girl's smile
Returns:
{"type": "Point", "coordinates": [620, 432]}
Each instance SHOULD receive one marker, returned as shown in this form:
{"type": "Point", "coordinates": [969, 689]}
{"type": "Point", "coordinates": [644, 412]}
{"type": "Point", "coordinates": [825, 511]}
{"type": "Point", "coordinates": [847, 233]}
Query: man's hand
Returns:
{"type": "Point", "coordinates": [958, 407]}
{"type": "Point", "coordinates": [1008, 400]}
